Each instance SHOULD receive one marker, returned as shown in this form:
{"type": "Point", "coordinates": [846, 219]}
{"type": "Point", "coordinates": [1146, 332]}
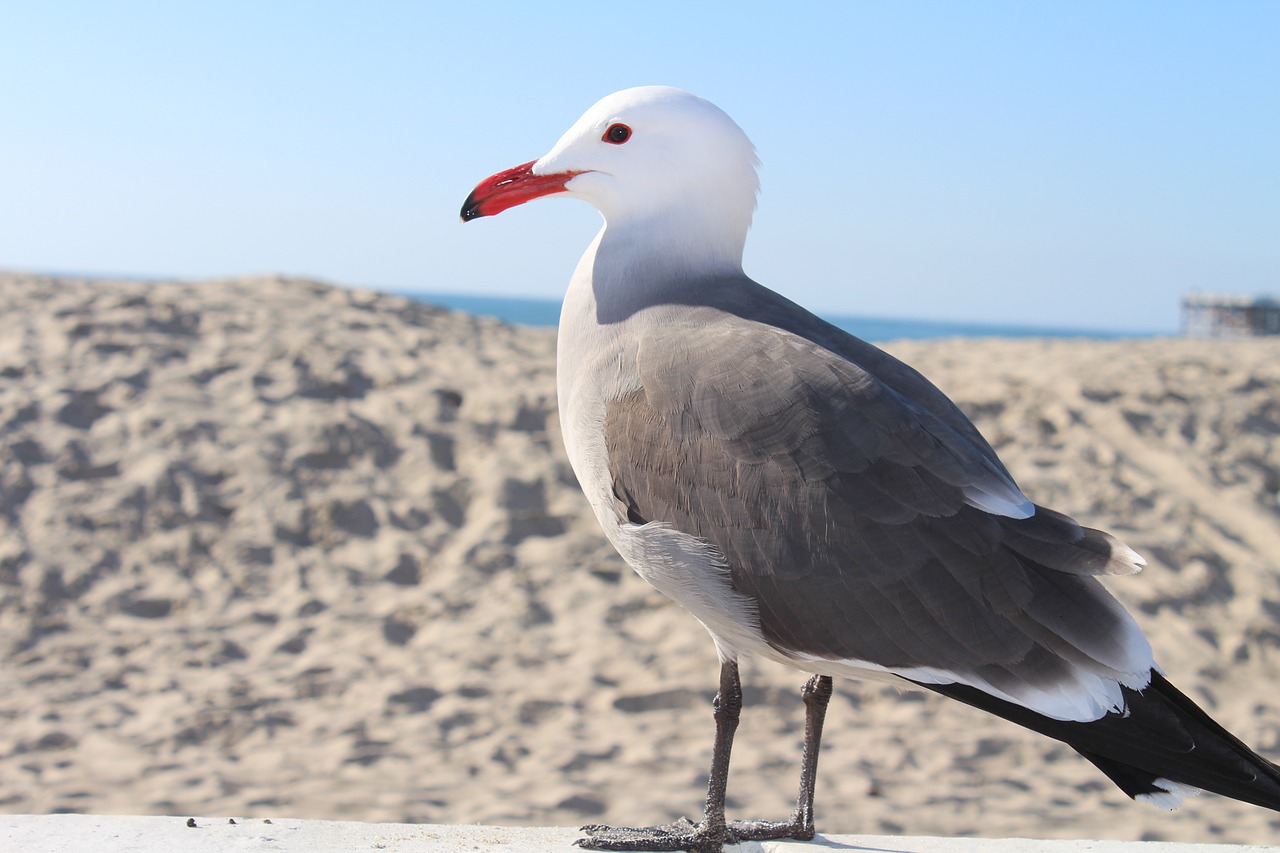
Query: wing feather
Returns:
{"type": "Point", "coordinates": [846, 513]}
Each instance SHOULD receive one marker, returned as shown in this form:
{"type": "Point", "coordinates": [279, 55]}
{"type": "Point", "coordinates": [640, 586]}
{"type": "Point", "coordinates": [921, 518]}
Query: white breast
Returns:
{"type": "Point", "coordinates": [596, 365]}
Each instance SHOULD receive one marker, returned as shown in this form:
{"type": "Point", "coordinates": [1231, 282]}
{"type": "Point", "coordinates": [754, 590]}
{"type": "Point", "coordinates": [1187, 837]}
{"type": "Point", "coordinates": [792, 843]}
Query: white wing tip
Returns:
{"type": "Point", "coordinates": [1171, 795]}
{"type": "Point", "coordinates": [1011, 505]}
{"type": "Point", "coordinates": [1125, 554]}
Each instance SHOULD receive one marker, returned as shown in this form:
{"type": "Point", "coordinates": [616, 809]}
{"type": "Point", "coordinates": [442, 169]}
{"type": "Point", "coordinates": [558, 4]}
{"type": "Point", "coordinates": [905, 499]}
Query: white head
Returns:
{"type": "Point", "coordinates": [653, 160]}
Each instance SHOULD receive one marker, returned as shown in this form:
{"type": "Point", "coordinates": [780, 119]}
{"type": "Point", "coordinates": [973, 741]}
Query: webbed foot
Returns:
{"type": "Point", "coordinates": [767, 830]}
{"type": "Point", "coordinates": [684, 834]}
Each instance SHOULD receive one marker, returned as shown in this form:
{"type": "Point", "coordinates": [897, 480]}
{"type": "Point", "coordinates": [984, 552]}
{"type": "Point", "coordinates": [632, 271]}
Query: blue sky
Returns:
{"type": "Point", "coordinates": [1074, 164]}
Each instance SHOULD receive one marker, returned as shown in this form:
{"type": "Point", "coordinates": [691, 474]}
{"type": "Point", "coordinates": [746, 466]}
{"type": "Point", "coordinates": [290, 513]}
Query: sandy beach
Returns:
{"type": "Point", "coordinates": [274, 548]}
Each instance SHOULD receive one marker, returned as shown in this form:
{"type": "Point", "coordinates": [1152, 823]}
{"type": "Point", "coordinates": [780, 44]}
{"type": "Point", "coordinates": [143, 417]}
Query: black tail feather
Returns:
{"type": "Point", "coordinates": [1161, 735]}
{"type": "Point", "coordinates": [1132, 781]}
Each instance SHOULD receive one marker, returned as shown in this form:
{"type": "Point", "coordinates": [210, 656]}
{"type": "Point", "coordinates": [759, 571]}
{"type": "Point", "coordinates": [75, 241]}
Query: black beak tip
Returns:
{"type": "Point", "coordinates": [470, 209]}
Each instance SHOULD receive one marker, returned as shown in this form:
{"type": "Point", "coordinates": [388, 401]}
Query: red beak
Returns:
{"type": "Point", "coordinates": [507, 189]}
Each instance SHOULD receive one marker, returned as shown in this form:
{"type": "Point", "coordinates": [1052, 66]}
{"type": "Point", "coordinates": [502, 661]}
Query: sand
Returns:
{"type": "Point", "coordinates": [276, 549]}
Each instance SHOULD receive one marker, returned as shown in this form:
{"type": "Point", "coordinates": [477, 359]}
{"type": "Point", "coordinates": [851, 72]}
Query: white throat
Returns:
{"type": "Point", "coordinates": [636, 258]}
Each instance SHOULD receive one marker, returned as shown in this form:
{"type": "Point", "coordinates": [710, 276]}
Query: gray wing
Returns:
{"type": "Point", "coordinates": [852, 516]}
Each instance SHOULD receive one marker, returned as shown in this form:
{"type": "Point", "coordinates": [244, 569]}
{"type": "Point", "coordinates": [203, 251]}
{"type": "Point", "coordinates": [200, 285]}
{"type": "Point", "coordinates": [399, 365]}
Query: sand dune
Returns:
{"type": "Point", "coordinates": [274, 548]}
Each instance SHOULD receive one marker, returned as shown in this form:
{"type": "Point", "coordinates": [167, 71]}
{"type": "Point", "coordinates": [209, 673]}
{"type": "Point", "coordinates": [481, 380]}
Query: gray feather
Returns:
{"type": "Point", "coordinates": [838, 491]}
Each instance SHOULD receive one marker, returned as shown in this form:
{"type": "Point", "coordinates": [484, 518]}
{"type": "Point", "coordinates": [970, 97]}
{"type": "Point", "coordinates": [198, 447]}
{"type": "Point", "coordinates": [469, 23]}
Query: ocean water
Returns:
{"type": "Point", "coordinates": [546, 313]}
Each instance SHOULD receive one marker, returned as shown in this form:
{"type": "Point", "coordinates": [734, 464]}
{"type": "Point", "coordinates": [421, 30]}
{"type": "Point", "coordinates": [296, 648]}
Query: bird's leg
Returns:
{"type": "Point", "coordinates": [728, 709]}
{"type": "Point", "coordinates": [816, 694]}
{"type": "Point", "coordinates": [711, 834]}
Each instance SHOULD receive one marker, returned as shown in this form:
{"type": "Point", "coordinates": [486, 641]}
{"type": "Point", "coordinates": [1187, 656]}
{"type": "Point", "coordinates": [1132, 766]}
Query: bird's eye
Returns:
{"type": "Point", "coordinates": [617, 134]}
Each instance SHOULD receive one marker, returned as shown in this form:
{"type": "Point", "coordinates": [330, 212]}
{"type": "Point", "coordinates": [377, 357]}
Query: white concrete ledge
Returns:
{"type": "Point", "coordinates": [127, 834]}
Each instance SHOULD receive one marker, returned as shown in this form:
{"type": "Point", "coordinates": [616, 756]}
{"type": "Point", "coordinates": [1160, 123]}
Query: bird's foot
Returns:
{"type": "Point", "coordinates": [684, 834]}
{"type": "Point", "coordinates": [767, 830]}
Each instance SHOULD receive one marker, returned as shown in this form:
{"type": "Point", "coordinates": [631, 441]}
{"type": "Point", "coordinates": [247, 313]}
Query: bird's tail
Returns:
{"type": "Point", "coordinates": [1160, 748]}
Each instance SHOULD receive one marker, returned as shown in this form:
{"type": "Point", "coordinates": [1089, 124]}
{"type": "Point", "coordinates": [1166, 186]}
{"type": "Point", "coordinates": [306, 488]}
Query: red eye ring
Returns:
{"type": "Point", "coordinates": [617, 134]}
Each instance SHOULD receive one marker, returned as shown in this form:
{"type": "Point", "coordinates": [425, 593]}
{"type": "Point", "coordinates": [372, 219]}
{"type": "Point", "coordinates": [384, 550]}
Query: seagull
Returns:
{"type": "Point", "coordinates": [814, 501]}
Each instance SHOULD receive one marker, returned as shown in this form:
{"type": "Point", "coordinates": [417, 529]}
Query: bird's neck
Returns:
{"type": "Point", "coordinates": [639, 261]}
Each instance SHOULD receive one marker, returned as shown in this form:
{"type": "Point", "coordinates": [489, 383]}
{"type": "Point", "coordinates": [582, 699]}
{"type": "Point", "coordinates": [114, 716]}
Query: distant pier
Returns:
{"type": "Point", "coordinates": [1219, 316]}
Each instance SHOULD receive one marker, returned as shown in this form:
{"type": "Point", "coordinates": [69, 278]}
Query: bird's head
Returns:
{"type": "Point", "coordinates": [640, 154]}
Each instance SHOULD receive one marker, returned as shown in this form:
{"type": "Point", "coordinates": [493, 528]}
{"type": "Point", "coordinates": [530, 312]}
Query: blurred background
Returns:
{"type": "Point", "coordinates": [1080, 165]}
